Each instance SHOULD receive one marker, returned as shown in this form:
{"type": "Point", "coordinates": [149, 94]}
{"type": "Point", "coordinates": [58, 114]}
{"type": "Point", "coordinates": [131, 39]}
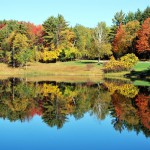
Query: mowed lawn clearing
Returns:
{"type": "Point", "coordinates": [141, 66]}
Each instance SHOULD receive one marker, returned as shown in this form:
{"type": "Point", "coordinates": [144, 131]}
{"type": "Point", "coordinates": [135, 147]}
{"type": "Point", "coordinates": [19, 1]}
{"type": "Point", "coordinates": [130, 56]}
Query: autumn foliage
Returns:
{"type": "Point", "coordinates": [35, 33]}
{"type": "Point", "coordinates": [118, 43]}
{"type": "Point", "coordinates": [55, 40]}
{"type": "Point", "coordinates": [2, 25]}
{"type": "Point", "coordinates": [125, 63]}
{"type": "Point", "coordinates": [143, 44]}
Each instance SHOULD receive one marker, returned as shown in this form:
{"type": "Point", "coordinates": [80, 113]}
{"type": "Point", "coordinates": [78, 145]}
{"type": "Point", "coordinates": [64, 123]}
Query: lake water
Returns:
{"type": "Point", "coordinates": [53, 115]}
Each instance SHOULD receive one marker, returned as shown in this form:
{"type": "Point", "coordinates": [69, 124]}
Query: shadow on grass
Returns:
{"type": "Point", "coordinates": [145, 74]}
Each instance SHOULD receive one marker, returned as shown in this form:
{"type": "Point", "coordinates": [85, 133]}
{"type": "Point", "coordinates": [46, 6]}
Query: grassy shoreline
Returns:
{"type": "Point", "coordinates": [59, 68]}
{"type": "Point", "coordinates": [88, 69]}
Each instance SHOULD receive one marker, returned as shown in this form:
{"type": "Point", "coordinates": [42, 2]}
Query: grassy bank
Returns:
{"type": "Point", "coordinates": [74, 68]}
{"type": "Point", "coordinates": [141, 66]}
{"type": "Point", "coordinates": [85, 70]}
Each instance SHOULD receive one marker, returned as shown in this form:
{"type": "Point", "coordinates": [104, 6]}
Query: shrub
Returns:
{"type": "Point", "coordinates": [125, 63]}
{"type": "Point", "coordinates": [113, 66]}
{"type": "Point", "coordinates": [129, 61]}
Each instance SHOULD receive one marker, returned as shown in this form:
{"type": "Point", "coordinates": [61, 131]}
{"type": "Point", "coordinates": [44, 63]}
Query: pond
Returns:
{"type": "Point", "coordinates": [46, 115]}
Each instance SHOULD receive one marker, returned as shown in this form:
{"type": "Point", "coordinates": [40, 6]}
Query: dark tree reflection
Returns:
{"type": "Point", "coordinates": [128, 105]}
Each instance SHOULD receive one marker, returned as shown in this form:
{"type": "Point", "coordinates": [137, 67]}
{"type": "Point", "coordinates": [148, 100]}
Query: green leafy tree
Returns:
{"type": "Point", "coordinates": [146, 13]}
{"type": "Point", "coordinates": [129, 17]}
{"type": "Point", "coordinates": [54, 28]}
{"type": "Point", "coordinates": [57, 35]}
{"type": "Point", "coordinates": [101, 45]}
{"type": "Point", "coordinates": [138, 15]}
{"type": "Point", "coordinates": [118, 18]}
{"type": "Point", "coordinates": [83, 40]}
{"type": "Point", "coordinates": [112, 33]}
{"type": "Point", "coordinates": [7, 35]}
{"type": "Point", "coordinates": [71, 53]}
{"type": "Point", "coordinates": [20, 54]}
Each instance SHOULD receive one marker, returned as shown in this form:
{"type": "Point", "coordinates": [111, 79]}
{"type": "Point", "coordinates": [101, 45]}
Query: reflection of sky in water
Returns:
{"type": "Point", "coordinates": [85, 134]}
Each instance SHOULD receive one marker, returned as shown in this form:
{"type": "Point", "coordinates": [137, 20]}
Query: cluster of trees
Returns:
{"type": "Point", "coordinates": [128, 105]}
{"type": "Point", "coordinates": [21, 42]}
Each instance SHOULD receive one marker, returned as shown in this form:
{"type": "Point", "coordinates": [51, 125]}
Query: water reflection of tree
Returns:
{"type": "Point", "coordinates": [124, 112]}
{"type": "Point", "coordinates": [101, 103]}
{"type": "Point", "coordinates": [15, 100]}
{"type": "Point", "coordinates": [126, 107]}
{"type": "Point", "coordinates": [143, 104]}
{"type": "Point", "coordinates": [21, 100]}
{"type": "Point", "coordinates": [53, 113]}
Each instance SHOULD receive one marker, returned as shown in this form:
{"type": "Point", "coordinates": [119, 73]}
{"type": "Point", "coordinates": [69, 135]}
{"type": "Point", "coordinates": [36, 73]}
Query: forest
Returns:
{"type": "Point", "coordinates": [55, 40]}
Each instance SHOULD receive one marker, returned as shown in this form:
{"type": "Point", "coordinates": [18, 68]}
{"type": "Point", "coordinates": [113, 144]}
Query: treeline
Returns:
{"type": "Point", "coordinates": [22, 42]}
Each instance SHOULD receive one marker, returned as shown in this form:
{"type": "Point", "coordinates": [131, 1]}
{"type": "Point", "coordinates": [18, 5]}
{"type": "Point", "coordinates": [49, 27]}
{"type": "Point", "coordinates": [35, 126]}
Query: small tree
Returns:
{"type": "Point", "coordinates": [24, 56]}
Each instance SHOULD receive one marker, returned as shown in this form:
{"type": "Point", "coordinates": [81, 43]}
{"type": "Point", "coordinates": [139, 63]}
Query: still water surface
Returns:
{"type": "Point", "coordinates": [68, 116]}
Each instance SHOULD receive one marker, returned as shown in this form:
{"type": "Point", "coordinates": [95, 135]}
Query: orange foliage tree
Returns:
{"type": "Point", "coordinates": [124, 41]}
{"type": "Point", "coordinates": [143, 42]}
{"type": "Point", "coordinates": [118, 43]}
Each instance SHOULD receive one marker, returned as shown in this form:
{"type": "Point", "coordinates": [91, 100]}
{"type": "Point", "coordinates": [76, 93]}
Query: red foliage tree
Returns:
{"type": "Point", "coordinates": [2, 25]}
{"type": "Point", "coordinates": [143, 44]}
{"type": "Point", "coordinates": [35, 33]}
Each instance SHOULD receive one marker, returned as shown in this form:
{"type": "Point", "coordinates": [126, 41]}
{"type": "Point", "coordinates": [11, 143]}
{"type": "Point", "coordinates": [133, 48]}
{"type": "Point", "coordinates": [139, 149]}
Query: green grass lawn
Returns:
{"type": "Point", "coordinates": [140, 66]}
{"type": "Point", "coordinates": [80, 63]}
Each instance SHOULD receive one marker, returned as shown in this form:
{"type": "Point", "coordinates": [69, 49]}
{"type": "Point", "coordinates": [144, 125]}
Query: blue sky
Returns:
{"type": "Point", "coordinates": [85, 12]}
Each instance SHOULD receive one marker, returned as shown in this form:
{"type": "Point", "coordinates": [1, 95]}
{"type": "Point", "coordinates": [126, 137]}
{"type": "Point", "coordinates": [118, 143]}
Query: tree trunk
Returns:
{"type": "Point", "coordinates": [99, 60]}
{"type": "Point", "coordinates": [13, 61]}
